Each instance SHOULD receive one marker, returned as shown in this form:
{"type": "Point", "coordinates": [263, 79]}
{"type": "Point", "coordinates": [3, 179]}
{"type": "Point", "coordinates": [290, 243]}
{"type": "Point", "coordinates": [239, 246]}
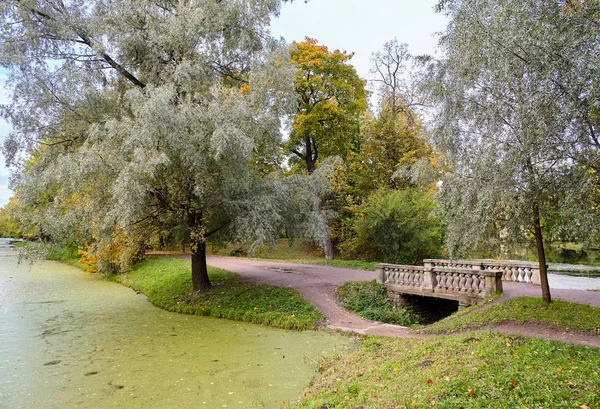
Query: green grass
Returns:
{"type": "Point", "coordinates": [298, 252]}
{"type": "Point", "coordinates": [167, 284]}
{"type": "Point", "coordinates": [356, 265]}
{"type": "Point", "coordinates": [283, 250]}
{"type": "Point", "coordinates": [479, 370]}
{"type": "Point", "coordinates": [558, 314]}
{"type": "Point", "coordinates": [369, 300]}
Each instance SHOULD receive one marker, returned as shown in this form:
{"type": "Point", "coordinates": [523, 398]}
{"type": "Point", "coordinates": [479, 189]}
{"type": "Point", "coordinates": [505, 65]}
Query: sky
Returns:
{"type": "Point", "coordinates": [356, 26]}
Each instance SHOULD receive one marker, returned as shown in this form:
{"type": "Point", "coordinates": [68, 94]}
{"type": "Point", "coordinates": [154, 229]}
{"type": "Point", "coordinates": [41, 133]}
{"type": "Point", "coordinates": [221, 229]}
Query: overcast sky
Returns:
{"type": "Point", "coordinates": [358, 26]}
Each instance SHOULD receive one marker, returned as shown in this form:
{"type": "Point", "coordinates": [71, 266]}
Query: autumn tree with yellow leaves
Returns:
{"type": "Point", "coordinates": [331, 98]}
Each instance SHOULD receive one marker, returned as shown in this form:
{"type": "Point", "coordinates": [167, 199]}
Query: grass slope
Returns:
{"type": "Point", "coordinates": [167, 284]}
{"type": "Point", "coordinates": [369, 300]}
{"type": "Point", "coordinates": [480, 370]}
{"type": "Point", "coordinates": [557, 314]}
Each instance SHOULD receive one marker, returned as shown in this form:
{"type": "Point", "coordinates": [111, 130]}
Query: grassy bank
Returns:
{"type": "Point", "coordinates": [524, 310]}
{"type": "Point", "coordinates": [479, 370]}
{"type": "Point", "coordinates": [167, 284]}
{"type": "Point", "coordinates": [369, 300]}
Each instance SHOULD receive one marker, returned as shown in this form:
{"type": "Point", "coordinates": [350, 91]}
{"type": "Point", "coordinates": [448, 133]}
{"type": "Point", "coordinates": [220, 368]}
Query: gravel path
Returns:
{"type": "Point", "coordinates": [317, 284]}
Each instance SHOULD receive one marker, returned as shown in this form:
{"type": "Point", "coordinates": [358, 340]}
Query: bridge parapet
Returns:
{"type": "Point", "coordinates": [518, 271]}
{"type": "Point", "coordinates": [464, 281]}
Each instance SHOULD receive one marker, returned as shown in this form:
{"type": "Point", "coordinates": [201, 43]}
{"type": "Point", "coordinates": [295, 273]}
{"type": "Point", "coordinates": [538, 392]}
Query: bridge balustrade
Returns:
{"type": "Point", "coordinates": [466, 281]}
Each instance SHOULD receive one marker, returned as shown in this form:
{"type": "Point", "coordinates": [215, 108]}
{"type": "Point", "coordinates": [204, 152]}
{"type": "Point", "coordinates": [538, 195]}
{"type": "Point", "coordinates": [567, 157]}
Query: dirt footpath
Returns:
{"type": "Point", "coordinates": [317, 284]}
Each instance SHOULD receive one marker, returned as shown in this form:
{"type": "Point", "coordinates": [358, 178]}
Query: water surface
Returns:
{"type": "Point", "coordinates": [70, 340]}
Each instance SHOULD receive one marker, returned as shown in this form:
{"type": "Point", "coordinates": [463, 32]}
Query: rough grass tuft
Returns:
{"type": "Point", "coordinates": [167, 284]}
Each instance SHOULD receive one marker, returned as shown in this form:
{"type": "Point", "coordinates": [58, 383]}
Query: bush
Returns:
{"type": "Point", "coordinates": [396, 226]}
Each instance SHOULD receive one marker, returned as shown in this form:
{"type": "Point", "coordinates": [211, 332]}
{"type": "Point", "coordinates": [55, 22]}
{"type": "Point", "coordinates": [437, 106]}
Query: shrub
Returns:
{"type": "Point", "coordinates": [396, 226]}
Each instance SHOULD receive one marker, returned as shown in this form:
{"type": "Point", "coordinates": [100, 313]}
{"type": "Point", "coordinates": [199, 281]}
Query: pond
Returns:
{"type": "Point", "coordinates": [71, 340]}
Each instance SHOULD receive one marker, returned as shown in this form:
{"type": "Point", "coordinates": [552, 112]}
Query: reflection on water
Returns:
{"type": "Point", "coordinates": [68, 340]}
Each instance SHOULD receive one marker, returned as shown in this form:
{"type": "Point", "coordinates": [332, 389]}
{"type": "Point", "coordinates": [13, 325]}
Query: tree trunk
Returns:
{"type": "Point", "coordinates": [541, 254]}
{"type": "Point", "coordinates": [311, 162]}
{"type": "Point", "coordinates": [200, 279]}
{"type": "Point", "coordinates": [326, 239]}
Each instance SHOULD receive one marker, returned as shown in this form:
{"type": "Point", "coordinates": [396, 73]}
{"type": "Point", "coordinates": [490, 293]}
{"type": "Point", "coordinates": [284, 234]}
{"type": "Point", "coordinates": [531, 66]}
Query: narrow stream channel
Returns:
{"type": "Point", "coordinates": [69, 340]}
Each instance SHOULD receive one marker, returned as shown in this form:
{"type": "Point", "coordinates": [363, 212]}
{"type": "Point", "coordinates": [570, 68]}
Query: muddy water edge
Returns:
{"type": "Point", "coordinates": [70, 340]}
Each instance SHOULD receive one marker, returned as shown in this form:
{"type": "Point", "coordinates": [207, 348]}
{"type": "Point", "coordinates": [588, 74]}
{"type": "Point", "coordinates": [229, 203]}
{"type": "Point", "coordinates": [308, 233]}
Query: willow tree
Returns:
{"type": "Point", "coordinates": [142, 109]}
{"type": "Point", "coordinates": [515, 97]}
{"type": "Point", "coordinates": [331, 97]}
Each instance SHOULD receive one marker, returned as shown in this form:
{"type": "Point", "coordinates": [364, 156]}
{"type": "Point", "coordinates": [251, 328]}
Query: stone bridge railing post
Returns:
{"type": "Point", "coordinates": [429, 277]}
{"type": "Point", "coordinates": [493, 282]}
{"type": "Point", "coordinates": [380, 274]}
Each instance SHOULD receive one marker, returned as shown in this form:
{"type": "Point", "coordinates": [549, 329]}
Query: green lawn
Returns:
{"type": "Point", "coordinates": [167, 283]}
{"type": "Point", "coordinates": [477, 370]}
{"type": "Point", "coordinates": [298, 252]}
{"type": "Point", "coordinates": [557, 314]}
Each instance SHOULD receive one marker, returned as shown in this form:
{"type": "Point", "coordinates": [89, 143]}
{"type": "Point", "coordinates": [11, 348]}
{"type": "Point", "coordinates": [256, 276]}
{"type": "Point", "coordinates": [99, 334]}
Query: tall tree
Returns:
{"type": "Point", "coordinates": [514, 97]}
{"type": "Point", "coordinates": [392, 72]}
{"type": "Point", "coordinates": [331, 98]}
{"type": "Point", "coordinates": [146, 109]}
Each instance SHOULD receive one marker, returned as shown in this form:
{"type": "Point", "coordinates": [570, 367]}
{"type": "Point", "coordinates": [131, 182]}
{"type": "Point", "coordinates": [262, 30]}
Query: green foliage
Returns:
{"type": "Point", "coordinates": [515, 99]}
{"type": "Point", "coordinates": [331, 97]}
{"type": "Point", "coordinates": [479, 370]}
{"type": "Point", "coordinates": [167, 284]}
{"type": "Point", "coordinates": [9, 222]}
{"type": "Point", "coordinates": [396, 226]}
{"type": "Point", "coordinates": [58, 252]}
{"type": "Point", "coordinates": [150, 115]}
{"type": "Point", "coordinates": [526, 310]}
{"type": "Point", "coordinates": [389, 141]}
{"type": "Point", "coordinates": [369, 300]}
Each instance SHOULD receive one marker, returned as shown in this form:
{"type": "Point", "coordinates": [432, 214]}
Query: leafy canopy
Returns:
{"type": "Point", "coordinates": [147, 112]}
{"type": "Point", "coordinates": [331, 96]}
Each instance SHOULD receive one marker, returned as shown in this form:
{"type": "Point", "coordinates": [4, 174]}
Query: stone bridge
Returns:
{"type": "Point", "coordinates": [465, 281]}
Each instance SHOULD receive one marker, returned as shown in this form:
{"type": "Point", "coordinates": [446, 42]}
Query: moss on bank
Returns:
{"type": "Point", "coordinates": [167, 284]}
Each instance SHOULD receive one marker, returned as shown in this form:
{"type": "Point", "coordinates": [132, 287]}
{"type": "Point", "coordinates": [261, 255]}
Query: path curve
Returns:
{"type": "Point", "coordinates": [317, 283]}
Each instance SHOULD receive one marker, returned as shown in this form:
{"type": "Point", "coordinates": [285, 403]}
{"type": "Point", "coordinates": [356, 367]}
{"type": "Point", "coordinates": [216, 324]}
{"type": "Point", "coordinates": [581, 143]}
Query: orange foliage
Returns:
{"type": "Point", "coordinates": [101, 253]}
